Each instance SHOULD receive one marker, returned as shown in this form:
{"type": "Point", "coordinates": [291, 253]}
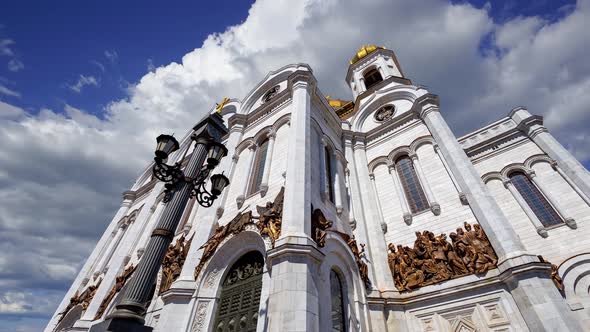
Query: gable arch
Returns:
{"type": "Point", "coordinates": [514, 167]}
{"type": "Point", "coordinates": [248, 142]}
{"type": "Point", "coordinates": [538, 158]}
{"type": "Point", "coordinates": [493, 176]}
{"type": "Point", "coordinates": [398, 152]}
{"type": "Point", "coordinates": [421, 141]}
{"type": "Point", "coordinates": [381, 98]}
{"type": "Point", "coordinates": [271, 79]}
{"type": "Point", "coordinates": [382, 160]}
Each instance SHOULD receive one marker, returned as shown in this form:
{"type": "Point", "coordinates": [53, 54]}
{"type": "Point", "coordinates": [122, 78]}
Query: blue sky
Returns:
{"type": "Point", "coordinates": [59, 41]}
{"type": "Point", "coordinates": [85, 88]}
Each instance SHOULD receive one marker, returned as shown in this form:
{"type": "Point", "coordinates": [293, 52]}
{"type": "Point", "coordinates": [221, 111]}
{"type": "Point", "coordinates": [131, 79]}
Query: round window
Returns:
{"type": "Point", "coordinates": [384, 113]}
{"type": "Point", "coordinates": [270, 94]}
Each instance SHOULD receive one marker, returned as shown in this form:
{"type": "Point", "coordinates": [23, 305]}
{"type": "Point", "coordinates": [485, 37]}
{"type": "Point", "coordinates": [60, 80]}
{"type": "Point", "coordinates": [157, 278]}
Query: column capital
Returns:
{"type": "Point", "coordinates": [507, 183]}
{"type": "Point", "coordinates": [235, 158]}
{"type": "Point", "coordinates": [413, 156]}
{"type": "Point", "coordinates": [372, 176]}
{"type": "Point", "coordinates": [129, 195]}
{"type": "Point", "coordinates": [426, 104]}
{"type": "Point", "coordinates": [302, 80]}
{"type": "Point", "coordinates": [271, 135]}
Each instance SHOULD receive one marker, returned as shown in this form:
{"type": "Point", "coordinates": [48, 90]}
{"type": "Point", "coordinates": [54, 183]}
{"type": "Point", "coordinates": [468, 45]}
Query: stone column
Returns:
{"type": "Point", "coordinates": [351, 219]}
{"type": "Point", "coordinates": [536, 131]}
{"type": "Point", "coordinates": [156, 212]}
{"type": "Point", "coordinates": [338, 183]}
{"type": "Point", "coordinates": [378, 203]}
{"type": "Point", "coordinates": [462, 196]}
{"type": "Point", "coordinates": [360, 224]}
{"type": "Point", "coordinates": [403, 201]}
{"type": "Point", "coordinates": [297, 206]}
{"type": "Point", "coordinates": [293, 303]}
{"type": "Point", "coordinates": [568, 220]}
{"type": "Point", "coordinates": [102, 266]}
{"type": "Point", "coordinates": [130, 312]}
{"type": "Point", "coordinates": [246, 179]}
{"type": "Point", "coordinates": [221, 206]}
{"type": "Point", "coordinates": [267, 163]}
{"type": "Point", "coordinates": [383, 279]}
{"type": "Point", "coordinates": [569, 181]}
{"type": "Point", "coordinates": [526, 208]}
{"type": "Point", "coordinates": [434, 206]}
{"type": "Point", "coordinates": [534, 293]}
{"type": "Point", "coordinates": [323, 171]}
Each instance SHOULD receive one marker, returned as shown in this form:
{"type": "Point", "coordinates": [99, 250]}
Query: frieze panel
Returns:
{"type": "Point", "coordinates": [434, 259]}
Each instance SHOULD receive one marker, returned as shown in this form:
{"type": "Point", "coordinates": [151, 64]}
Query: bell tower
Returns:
{"type": "Point", "coordinates": [370, 65]}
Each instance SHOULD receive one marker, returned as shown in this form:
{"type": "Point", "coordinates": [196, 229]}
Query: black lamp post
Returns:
{"type": "Point", "coordinates": [180, 186]}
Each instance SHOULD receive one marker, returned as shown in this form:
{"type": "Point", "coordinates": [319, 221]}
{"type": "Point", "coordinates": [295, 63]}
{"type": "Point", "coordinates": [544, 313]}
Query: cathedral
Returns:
{"type": "Point", "coordinates": [361, 215]}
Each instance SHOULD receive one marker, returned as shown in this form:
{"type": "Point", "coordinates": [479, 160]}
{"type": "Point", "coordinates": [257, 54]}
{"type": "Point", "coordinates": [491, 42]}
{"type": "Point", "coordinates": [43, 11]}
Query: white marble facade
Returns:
{"type": "Point", "coordinates": [464, 179]}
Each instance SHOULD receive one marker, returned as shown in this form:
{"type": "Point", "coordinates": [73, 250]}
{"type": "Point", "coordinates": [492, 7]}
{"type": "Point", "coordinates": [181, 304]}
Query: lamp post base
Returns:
{"type": "Point", "coordinates": [117, 324]}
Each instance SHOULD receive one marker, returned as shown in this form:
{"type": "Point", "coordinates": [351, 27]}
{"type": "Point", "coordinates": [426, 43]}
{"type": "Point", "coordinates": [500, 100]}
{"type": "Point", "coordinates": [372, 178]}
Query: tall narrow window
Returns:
{"type": "Point", "coordinates": [338, 321]}
{"type": "Point", "coordinates": [258, 170]}
{"type": "Point", "coordinates": [329, 178]}
{"type": "Point", "coordinates": [372, 77]}
{"type": "Point", "coordinates": [411, 185]}
{"type": "Point", "coordinates": [536, 201]}
{"type": "Point", "coordinates": [240, 295]}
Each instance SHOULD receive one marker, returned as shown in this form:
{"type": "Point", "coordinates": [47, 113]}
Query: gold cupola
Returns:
{"type": "Point", "coordinates": [364, 51]}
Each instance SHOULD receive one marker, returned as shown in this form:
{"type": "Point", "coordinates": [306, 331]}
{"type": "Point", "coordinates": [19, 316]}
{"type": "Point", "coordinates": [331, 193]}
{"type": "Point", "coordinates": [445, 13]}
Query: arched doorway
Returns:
{"type": "Point", "coordinates": [240, 295]}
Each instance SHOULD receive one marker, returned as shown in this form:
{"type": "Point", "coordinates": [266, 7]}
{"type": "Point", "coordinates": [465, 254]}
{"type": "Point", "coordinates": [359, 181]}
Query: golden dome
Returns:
{"type": "Point", "coordinates": [341, 107]}
{"type": "Point", "coordinates": [364, 51]}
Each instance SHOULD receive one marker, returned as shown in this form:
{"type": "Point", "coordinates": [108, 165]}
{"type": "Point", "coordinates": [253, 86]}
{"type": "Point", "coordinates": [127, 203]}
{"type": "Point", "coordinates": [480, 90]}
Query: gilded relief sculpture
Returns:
{"type": "Point", "coordinates": [319, 225]}
{"type": "Point", "coordinates": [270, 218]}
{"type": "Point", "coordinates": [84, 299]}
{"type": "Point", "coordinates": [269, 224]}
{"type": "Point", "coordinates": [433, 259]}
{"type": "Point", "coordinates": [120, 281]}
{"type": "Point", "coordinates": [173, 262]}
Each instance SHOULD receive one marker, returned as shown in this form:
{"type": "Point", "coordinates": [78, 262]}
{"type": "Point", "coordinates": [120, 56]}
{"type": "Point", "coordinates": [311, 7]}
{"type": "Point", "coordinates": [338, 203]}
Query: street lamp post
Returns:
{"type": "Point", "coordinates": [180, 186]}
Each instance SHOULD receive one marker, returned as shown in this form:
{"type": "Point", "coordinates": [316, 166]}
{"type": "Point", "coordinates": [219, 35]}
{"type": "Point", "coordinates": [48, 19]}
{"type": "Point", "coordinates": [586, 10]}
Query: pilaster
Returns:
{"type": "Point", "coordinates": [533, 127]}
{"type": "Point", "coordinates": [537, 298]}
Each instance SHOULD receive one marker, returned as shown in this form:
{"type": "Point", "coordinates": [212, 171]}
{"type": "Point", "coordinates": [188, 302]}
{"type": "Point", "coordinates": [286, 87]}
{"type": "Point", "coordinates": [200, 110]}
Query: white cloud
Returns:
{"type": "Point", "coordinates": [83, 81]}
{"type": "Point", "coordinates": [112, 55]}
{"type": "Point", "coordinates": [15, 65]}
{"type": "Point", "coordinates": [98, 64]}
{"type": "Point", "coordinates": [8, 92]}
{"type": "Point", "coordinates": [89, 161]}
{"type": "Point", "coordinates": [5, 47]}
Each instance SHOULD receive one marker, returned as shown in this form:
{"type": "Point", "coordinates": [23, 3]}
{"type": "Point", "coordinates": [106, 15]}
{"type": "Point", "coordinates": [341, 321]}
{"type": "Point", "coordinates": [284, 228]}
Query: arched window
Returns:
{"type": "Point", "coordinates": [337, 296]}
{"type": "Point", "coordinates": [258, 170]}
{"type": "Point", "coordinates": [535, 200]}
{"type": "Point", "coordinates": [328, 172]}
{"type": "Point", "coordinates": [372, 77]}
{"type": "Point", "coordinates": [411, 185]}
{"type": "Point", "coordinates": [240, 295]}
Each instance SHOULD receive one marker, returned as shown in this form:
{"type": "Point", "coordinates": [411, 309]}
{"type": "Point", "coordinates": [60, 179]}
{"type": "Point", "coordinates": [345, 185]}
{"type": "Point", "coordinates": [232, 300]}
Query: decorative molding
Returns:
{"type": "Point", "coordinates": [434, 259]}
{"type": "Point", "coordinates": [200, 316]}
{"type": "Point", "coordinates": [211, 278]}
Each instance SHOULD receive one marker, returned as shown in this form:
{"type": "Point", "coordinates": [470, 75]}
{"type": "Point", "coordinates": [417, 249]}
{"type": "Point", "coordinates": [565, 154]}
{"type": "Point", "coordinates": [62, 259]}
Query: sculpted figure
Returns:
{"type": "Point", "coordinates": [270, 217]}
{"type": "Point", "coordinates": [319, 224]}
{"type": "Point", "coordinates": [455, 263]}
{"type": "Point", "coordinates": [556, 278]}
